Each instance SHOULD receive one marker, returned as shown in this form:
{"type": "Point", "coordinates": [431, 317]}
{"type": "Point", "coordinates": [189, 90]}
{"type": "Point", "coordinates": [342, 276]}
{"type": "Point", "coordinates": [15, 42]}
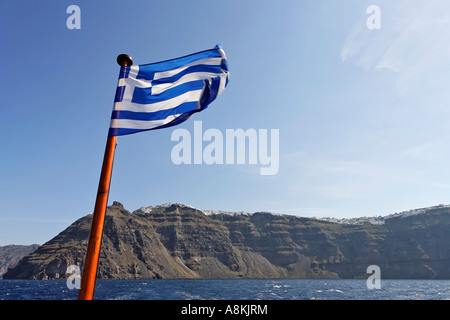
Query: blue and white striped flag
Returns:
{"type": "Point", "coordinates": [164, 94]}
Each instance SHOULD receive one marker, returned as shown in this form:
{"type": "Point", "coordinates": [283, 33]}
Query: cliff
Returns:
{"type": "Point", "coordinates": [11, 254]}
{"type": "Point", "coordinates": [179, 241]}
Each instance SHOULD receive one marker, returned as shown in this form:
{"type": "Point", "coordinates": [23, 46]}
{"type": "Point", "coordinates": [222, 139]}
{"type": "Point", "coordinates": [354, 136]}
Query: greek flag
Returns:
{"type": "Point", "coordinates": [167, 93]}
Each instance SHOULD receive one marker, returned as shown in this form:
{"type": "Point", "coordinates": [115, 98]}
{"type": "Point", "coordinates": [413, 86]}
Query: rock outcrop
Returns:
{"type": "Point", "coordinates": [179, 241]}
{"type": "Point", "coordinates": [11, 254]}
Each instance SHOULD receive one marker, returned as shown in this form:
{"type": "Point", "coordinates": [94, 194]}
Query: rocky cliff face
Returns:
{"type": "Point", "coordinates": [11, 254]}
{"type": "Point", "coordinates": [178, 241]}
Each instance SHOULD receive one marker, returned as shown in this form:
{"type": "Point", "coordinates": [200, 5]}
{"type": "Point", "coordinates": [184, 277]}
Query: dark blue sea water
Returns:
{"type": "Point", "coordinates": [279, 289]}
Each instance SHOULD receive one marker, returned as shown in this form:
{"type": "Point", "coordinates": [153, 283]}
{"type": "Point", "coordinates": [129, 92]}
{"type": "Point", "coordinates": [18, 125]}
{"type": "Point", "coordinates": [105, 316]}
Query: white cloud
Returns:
{"type": "Point", "coordinates": [414, 39]}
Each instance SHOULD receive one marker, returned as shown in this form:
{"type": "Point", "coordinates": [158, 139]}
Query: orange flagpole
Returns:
{"type": "Point", "coordinates": [95, 237]}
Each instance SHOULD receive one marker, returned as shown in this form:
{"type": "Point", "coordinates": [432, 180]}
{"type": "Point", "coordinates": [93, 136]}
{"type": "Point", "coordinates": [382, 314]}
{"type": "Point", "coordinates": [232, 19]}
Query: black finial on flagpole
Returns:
{"type": "Point", "coordinates": [124, 58]}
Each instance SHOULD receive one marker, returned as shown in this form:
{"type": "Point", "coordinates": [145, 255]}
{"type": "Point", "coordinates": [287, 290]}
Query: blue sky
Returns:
{"type": "Point", "coordinates": [362, 114]}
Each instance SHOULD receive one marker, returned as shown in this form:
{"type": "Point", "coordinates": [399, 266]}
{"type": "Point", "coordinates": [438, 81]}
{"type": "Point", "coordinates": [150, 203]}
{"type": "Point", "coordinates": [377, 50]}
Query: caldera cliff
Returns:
{"type": "Point", "coordinates": [179, 241]}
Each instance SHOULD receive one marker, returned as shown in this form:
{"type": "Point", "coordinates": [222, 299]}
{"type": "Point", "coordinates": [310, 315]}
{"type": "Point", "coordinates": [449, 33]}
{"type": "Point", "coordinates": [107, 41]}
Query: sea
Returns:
{"type": "Point", "coordinates": [230, 289]}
